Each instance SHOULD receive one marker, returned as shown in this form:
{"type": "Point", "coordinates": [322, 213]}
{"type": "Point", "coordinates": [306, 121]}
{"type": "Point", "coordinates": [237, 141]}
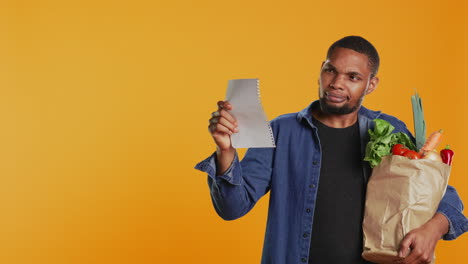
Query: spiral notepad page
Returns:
{"type": "Point", "coordinates": [254, 128]}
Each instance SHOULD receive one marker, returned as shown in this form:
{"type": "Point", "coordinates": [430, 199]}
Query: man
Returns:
{"type": "Point", "coordinates": [316, 174]}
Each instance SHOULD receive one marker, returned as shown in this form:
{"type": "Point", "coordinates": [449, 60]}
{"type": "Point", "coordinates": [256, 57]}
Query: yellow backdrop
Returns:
{"type": "Point", "coordinates": [104, 107]}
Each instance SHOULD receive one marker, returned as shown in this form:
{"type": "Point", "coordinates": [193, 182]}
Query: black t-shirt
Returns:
{"type": "Point", "coordinates": [337, 227]}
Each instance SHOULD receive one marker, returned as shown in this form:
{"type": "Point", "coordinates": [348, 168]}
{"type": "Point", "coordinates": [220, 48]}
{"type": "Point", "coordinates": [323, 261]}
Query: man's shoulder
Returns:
{"type": "Point", "coordinates": [289, 119]}
{"type": "Point", "coordinates": [294, 118]}
{"type": "Point", "coordinates": [391, 119]}
{"type": "Point", "coordinates": [396, 122]}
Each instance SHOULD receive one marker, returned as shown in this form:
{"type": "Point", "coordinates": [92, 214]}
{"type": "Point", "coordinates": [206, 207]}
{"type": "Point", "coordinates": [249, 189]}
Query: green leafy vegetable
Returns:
{"type": "Point", "coordinates": [382, 140]}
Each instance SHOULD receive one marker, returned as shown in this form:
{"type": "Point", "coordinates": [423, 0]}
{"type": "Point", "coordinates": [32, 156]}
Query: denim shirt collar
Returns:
{"type": "Point", "coordinates": [365, 117]}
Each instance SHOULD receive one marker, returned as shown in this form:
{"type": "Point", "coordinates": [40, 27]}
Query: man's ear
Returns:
{"type": "Point", "coordinates": [321, 66]}
{"type": "Point", "coordinates": [374, 81]}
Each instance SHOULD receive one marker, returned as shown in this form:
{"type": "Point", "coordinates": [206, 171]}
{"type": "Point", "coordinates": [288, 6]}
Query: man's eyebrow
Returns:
{"type": "Point", "coordinates": [355, 73]}
{"type": "Point", "coordinates": [329, 65]}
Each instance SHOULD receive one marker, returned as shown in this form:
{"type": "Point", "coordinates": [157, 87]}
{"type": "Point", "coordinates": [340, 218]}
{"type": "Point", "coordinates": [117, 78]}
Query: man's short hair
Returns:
{"type": "Point", "coordinates": [361, 45]}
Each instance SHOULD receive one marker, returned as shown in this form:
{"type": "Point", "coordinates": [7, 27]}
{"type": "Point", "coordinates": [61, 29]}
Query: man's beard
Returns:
{"type": "Point", "coordinates": [343, 110]}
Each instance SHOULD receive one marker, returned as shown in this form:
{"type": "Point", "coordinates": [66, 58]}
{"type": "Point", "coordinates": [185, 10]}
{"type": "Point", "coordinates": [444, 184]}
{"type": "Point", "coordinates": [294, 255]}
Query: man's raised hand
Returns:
{"type": "Point", "coordinates": [222, 126]}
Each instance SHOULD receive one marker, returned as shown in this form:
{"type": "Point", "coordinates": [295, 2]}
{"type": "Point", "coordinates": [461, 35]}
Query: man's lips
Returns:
{"type": "Point", "coordinates": [335, 98]}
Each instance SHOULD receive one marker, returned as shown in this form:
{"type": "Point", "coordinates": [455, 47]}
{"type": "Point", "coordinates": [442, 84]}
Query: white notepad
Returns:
{"type": "Point", "coordinates": [254, 128]}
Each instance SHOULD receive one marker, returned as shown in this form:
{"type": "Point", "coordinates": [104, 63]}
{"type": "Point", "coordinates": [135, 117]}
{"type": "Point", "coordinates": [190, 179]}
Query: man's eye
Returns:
{"type": "Point", "coordinates": [329, 70]}
{"type": "Point", "coordinates": [354, 78]}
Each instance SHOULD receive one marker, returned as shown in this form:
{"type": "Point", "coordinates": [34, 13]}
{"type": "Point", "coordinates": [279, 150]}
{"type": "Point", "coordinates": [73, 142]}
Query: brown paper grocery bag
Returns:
{"type": "Point", "coordinates": [402, 195]}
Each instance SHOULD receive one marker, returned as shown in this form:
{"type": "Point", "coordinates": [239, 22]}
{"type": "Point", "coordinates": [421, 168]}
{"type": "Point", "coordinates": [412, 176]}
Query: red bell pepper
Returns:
{"type": "Point", "coordinates": [447, 155]}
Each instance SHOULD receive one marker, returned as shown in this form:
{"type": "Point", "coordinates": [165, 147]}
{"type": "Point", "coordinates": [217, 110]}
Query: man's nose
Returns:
{"type": "Point", "coordinates": [338, 82]}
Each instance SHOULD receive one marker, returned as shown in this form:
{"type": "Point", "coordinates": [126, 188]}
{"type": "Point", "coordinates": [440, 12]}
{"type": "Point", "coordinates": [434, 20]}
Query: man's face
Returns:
{"type": "Point", "coordinates": [345, 79]}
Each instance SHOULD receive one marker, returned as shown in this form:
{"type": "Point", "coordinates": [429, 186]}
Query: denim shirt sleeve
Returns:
{"type": "Point", "coordinates": [209, 166]}
{"type": "Point", "coordinates": [450, 206]}
{"type": "Point", "coordinates": [236, 191]}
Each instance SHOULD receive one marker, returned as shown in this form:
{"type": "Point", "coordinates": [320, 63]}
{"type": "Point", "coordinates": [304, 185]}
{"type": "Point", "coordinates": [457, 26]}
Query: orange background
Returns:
{"type": "Point", "coordinates": [104, 108]}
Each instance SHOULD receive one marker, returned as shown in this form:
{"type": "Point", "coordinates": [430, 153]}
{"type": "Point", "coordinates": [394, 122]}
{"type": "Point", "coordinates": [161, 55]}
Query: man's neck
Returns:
{"type": "Point", "coordinates": [335, 120]}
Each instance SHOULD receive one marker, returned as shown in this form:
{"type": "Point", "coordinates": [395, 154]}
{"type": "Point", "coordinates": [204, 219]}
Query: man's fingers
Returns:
{"type": "Point", "coordinates": [419, 252]}
{"type": "Point", "coordinates": [225, 105]}
{"type": "Point", "coordinates": [227, 116]}
{"type": "Point", "coordinates": [418, 256]}
{"type": "Point", "coordinates": [405, 246]}
{"type": "Point", "coordinates": [218, 128]}
{"type": "Point", "coordinates": [223, 108]}
{"type": "Point", "coordinates": [223, 121]}
{"type": "Point", "coordinates": [413, 256]}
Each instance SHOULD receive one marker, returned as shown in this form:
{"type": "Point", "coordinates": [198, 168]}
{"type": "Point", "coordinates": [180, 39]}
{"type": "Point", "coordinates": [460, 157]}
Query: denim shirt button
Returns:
{"type": "Point", "coordinates": [303, 259]}
{"type": "Point", "coordinates": [312, 186]}
{"type": "Point", "coordinates": [308, 210]}
{"type": "Point", "coordinates": [315, 162]}
{"type": "Point", "coordinates": [305, 235]}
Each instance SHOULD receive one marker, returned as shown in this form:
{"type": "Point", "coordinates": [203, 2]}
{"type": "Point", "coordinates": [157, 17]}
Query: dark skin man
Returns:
{"type": "Point", "coordinates": [345, 79]}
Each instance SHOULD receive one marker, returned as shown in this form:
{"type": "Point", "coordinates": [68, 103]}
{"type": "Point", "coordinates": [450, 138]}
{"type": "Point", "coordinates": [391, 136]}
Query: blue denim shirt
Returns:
{"type": "Point", "coordinates": [291, 173]}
